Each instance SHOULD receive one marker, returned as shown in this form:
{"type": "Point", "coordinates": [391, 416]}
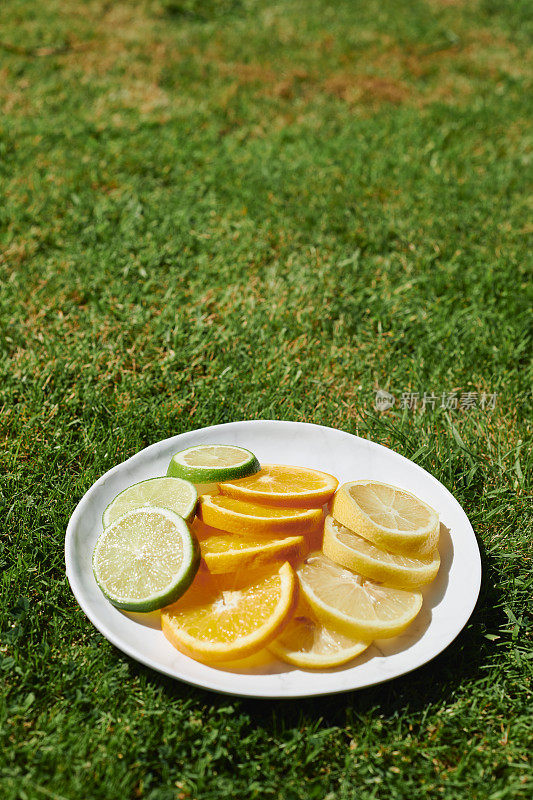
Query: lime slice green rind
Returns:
{"type": "Point", "coordinates": [211, 473]}
{"type": "Point", "coordinates": [146, 559]}
{"type": "Point", "coordinates": [173, 493]}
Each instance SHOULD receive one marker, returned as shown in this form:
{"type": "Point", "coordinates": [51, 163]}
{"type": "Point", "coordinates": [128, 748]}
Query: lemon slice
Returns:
{"type": "Point", "coordinates": [355, 605]}
{"type": "Point", "coordinates": [224, 617]}
{"type": "Point", "coordinates": [145, 559]}
{"type": "Point", "coordinates": [308, 643]}
{"type": "Point", "coordinates": [173, 493]}
{"type": "Point", "coordinates": [211, 463]}
{"type": "Point", "coordinates": [359, 555]}
{"type": "Point", "coordinates": [389, 517]}
{"type": "Point", "coordinates": [242, 518]}
{"type": "Point", "coordinates": [280, 485]}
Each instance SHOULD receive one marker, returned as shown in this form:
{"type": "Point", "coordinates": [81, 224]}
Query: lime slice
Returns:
{"type": "Point", "coordinates": [172, 493]}
{"type": "Point", "coordinates": [211, 463]}
{"type": "Point", "coordinates": [146, 559]}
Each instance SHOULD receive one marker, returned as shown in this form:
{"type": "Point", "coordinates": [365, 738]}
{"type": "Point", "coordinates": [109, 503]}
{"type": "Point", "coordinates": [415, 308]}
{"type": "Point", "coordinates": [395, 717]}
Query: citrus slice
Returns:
{"type": "Point", "coordinates": [206, 488]}
{"type": "Point", "coordinates": [242, 518]}
{"type": "Point", "coordinates": [353, 552]}
{"type": "Point", "coordinates": [229, 553]}
{"type": "Point", "coordinates": [211, 463]}
{"type": "Point", "coordinates": [280, 485]}
{"type": "Point", "coordinates": [145, 559]}
{"type": "Point", "coordinates": [223, 617]}
{"type": "Point", "coordinates": [355, 605]}
{"type": "Point", "coordinates": [306, 642]}
{"type": "Point", "coordinates": [389, 517]}
{"type": "Point", "coordinates": [172, 493]}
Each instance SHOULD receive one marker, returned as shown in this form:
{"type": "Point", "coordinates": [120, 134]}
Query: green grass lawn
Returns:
{"type": "Point", "coordinates": [231, 209]}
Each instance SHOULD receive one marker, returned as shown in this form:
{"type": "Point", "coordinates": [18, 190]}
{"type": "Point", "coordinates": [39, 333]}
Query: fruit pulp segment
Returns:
{"type": "Point", "coordinates": [216, 456]}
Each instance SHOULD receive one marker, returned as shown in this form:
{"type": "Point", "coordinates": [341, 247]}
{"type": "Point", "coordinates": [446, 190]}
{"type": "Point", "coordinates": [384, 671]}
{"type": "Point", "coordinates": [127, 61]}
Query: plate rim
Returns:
{"type": "Point", "coordinates": [217, 685]}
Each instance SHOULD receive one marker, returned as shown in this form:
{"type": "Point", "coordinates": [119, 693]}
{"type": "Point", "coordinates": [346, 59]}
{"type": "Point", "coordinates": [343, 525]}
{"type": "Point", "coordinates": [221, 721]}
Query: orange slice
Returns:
{"type": "Point", "coordinates": [280, 485]}
{"type": "Point", "coordinates": [229, 553]}
{"type": "Point", "coordinates": [243, 518]}
{"type": "Point", "coordinates": [224, 617]}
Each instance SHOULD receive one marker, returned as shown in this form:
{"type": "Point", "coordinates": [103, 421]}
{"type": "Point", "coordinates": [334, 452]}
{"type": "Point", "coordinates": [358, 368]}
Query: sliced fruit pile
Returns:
{"type": "Point", "coordinates": [272, 574]}
{"type": "Point", "coordinates": [379, 548]}
{"type": "Point", "coordinates": [252, 533]}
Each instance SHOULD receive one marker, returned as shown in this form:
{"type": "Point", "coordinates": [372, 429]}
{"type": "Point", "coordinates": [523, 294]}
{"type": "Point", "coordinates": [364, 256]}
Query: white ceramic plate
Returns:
{"type": "Point", "coordinates": [448, 602]}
